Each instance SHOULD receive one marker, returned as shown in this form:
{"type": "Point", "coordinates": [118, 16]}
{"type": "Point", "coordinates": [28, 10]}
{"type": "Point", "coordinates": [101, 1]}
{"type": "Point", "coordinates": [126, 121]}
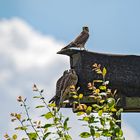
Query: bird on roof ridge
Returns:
{"type": "Point", "coordinates": [80, 40]}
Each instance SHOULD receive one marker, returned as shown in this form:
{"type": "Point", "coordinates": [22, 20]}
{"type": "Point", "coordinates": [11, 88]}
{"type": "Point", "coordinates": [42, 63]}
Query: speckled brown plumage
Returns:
{"type": "Point", "coordinates": [80, 41]}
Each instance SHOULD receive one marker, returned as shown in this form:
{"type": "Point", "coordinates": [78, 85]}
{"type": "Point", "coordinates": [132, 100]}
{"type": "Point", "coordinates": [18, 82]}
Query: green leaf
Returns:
{"type": "Point", "coordinates": [102, 120]}
{"type": "Point", "coordinates": [111, 102]}
{"type": "Point", "coordinates": [40, 106]}
{"type": "Point", "coordinates": [32, 136]}
{"type": "Point", "coordinates": [118, 121]}
{"type": "Point", "coordinates": [65, 123]}
{"type": "Point", "coordinates": [106, 133]}
{"type": "Point", "coordinates": [92, 131]}
{"type": "Point", "coordinates": [75, 96]}
{"type": "Point", "coordinates": [48, 115]}
{"type": "Point", "coordinates": [97, 135]}
{"type": "Point", "coordinates": [85, 135]}
{"type": "Point", "coordinates": [98, 128]}
{"type": "Point", "coordinates": [68, 137]}
{"type": "Point", "coordinates": [112, 123]}
{"type": "Point", "coordinates": [97, 81]}
{"type": "Point", "coordinates": [46, 135]}
{"type": "Point", "coordinates": [102, 101]}
{"type": "Point", "coordinates": [80, 96]}
{"type": "Point", "coordinates": [85, 119]}
{"type": "Point", "coordinates": [118, 113]}
{"type": "Point", "coordinates": [99, 71]}
{"type": "Point", "coordinates": [75, 102]}
{"type": "Point", "coordinates": [47, 125]}
{"type": "Point", "coordinates": [37, 97]}
{"type": "Point", "coordinates": [88, 110]}
{"type": "Point", "coordinates": [21, 128]}
{"type": "Point", "coordinates": [91, 119]}
{"type": "Point", "coordinates": [96, 106]}
{"type": "Point", "coordinates": [52, 105]}
{"type": "Point", "coordinates": [118, 131]}
{"type": "Point", "coordinates": [56, 120]}
{"type": "Point", "coordinates": [18, 116]}
{"type": "Point", "coordinates": [80, 113]}
{"type": "Point", "coordinates": [102, 88]}
{"type": "Point", "coordinates": [113, 109]}
{"type": "Point", "coordinates": [104, 72]}
{"type": "Point", "coordinates": [100, 112]}
{"type": "Point", "coordinates": [116, 128]}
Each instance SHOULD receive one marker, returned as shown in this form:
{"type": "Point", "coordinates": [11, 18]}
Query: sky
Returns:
{"type": "Point", "coordinates": [31, 32]}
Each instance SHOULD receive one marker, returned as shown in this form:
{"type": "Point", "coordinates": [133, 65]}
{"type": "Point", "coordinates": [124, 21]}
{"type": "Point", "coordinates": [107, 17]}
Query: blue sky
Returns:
{"type": "Point", "coordinates": [114, 28]}
{"type": "Point", "coordinates": [114, 25]}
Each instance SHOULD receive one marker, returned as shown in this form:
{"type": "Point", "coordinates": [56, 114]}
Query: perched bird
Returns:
{"type": "Point", "coordinates": [80, 41]}
{"type": "Point", "coordinates": [70, 80]}
{"type": "Point", "coordinates": [59, 88]}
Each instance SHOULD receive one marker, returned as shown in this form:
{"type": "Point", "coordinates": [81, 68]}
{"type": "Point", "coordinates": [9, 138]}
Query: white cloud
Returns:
{"type": "Point", "coordinates": [25, 46]}
{"type": "Point", "coordinates": [29, 56]}
{"type": "Point", "coordinates": [26, 57]}
{"type": "Point", "coordinates": [5, 75]}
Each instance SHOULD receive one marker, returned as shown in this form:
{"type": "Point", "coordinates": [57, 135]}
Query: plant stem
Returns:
{"type": "Point", "coordinates": [24, 129]}
{"type": "Point", "coordinates": [54, 115]}
{"type": "Point", "coordinates": [28, 118]}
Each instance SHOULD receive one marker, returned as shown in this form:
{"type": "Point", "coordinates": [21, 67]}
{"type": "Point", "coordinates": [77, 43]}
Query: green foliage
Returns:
{"type": "Point", "coordinates": [35, 130]}
{"type": "Point", "coordinates": [32, 136]}
{"type": "Point", "coordinates": [48, 115]}
{"type": "Point", "coordinates": [46, 135]}
{"type": "Point", "coordinates": [104, 123]}
{"type": "Point", "coordinates": [85, 135]}
{"type": "Point", "coordinates": [105, 104]}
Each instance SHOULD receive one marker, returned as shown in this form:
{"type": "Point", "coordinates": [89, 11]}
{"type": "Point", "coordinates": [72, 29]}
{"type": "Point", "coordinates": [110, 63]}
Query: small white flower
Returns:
{"type": "Point", "coordinates": [66, 101]}
{"type": "Point", "coordinates": [103, 94]}
{"type": "Point", "coordinates": [106, 83]}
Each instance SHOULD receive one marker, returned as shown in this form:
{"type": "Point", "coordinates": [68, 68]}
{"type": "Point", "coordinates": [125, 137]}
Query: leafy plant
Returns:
{"type": "Point", "coordinates": [35, 129]}
{"type": "Point", "coordinates": [101, 116]}
{"type": "Point", "coordinates": [106, 122]}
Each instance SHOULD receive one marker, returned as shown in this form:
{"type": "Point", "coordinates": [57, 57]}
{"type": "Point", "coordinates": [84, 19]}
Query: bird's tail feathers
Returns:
{"type": "Point", "coordinates": [66, 47]}
{"type": "Point", "coordinates": [69, 46]}
{"type": "Point", "coordinates": [53, 99]}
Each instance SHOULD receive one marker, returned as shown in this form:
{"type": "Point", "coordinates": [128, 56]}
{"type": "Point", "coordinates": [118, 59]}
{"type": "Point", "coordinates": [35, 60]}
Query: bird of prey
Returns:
{"type": "Point", "coordinates": [63, 84]}
{"type": "Point", "coordinates": [59, 87]}
{"type": "Point", "coordinates": [80, 41]}
{"type": "Point", "coordinates": [70, 80]}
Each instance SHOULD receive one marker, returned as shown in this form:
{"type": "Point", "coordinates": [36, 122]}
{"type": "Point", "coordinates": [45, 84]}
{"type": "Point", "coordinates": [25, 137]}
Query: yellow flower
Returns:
{"type": "Point", "coordinates": [82, 107]}
{"type": "Point", "coordinates": [97, 91]}
{"type": "Point", "coordinates": [18, 116]}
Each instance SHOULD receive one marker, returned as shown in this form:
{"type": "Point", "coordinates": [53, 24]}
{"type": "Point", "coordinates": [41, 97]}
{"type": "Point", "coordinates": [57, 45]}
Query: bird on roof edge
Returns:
{"type": "Point", "coordinates": [68, 79]}
{"type": "Point", "coordinates": [59, 88]}
{"type": "Point", "coordinates": [71, 79]}
{"type": "Point", "coordinates": [80, 40]}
